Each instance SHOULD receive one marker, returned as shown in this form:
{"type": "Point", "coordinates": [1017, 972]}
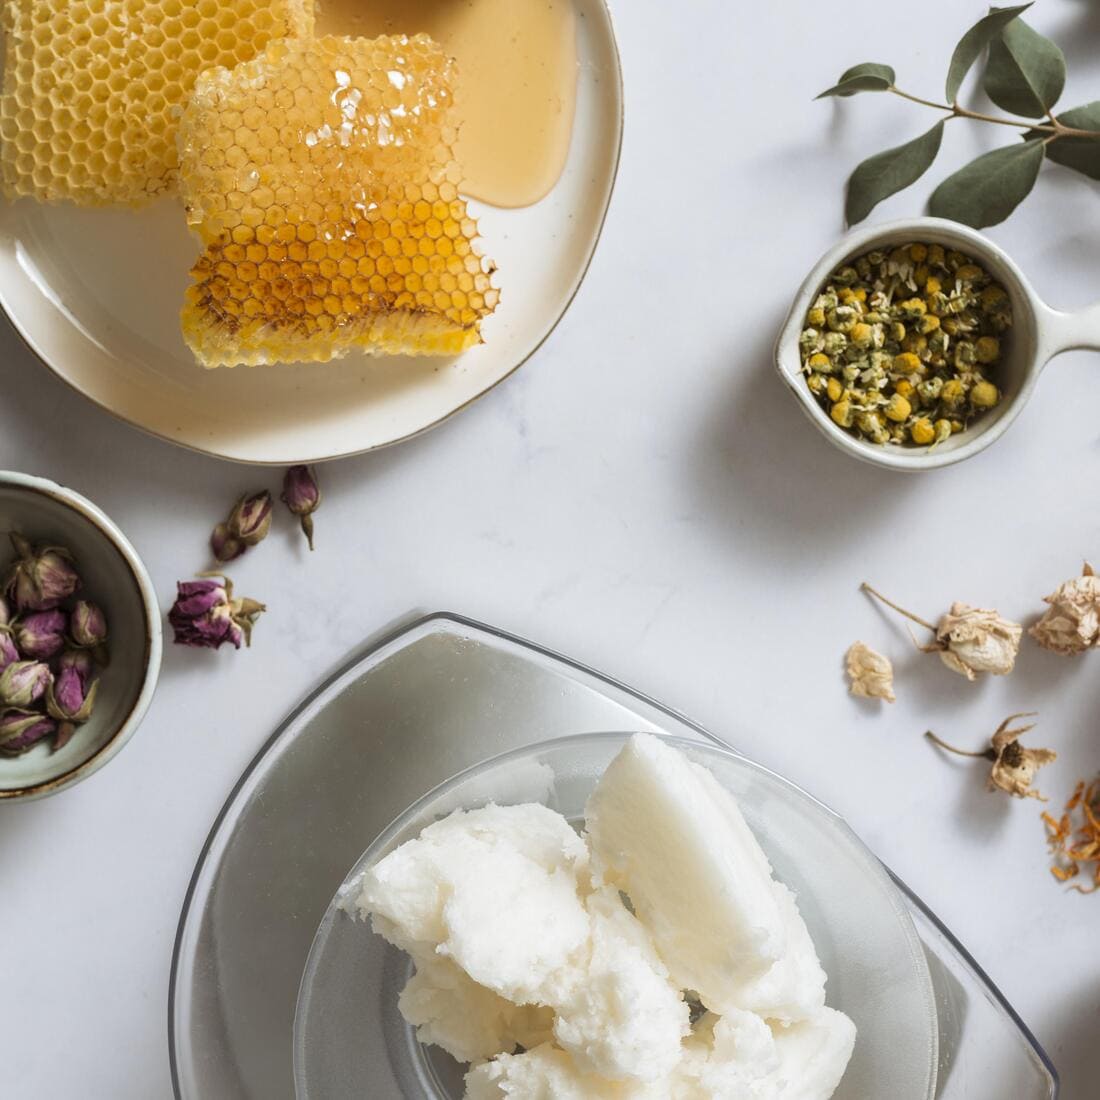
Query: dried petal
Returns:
{"type": "Point", "coordinates": [302, 495]}
{"type": "Point", "coordinates": [20, 729]}
{"type": "Point", "coordinates": [1072, 622]}
{"type": "Point", "coordinates": [871, 674]}
{"type": "Point", "coordinates": [88, 624]}
{"type": "Point", "coordinates": [41, 634]}
{"type": "Point", "coordinates": [972, 640]}
{"type": "Point", "coordinates": [23, 683]}
{"type": "Point", "coordinates": [250, 520]}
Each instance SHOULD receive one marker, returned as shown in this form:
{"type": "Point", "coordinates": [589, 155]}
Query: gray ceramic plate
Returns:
{"type": "Point", "coordinates": [400, 718]}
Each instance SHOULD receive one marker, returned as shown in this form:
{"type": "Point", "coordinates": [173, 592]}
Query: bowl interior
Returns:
{"type": "Point", "coordinates": [1016, 373]}
{"type": "Point", "coordinates": [45, 515]}
{"type": "Point", "coordinates": [349, 1036]}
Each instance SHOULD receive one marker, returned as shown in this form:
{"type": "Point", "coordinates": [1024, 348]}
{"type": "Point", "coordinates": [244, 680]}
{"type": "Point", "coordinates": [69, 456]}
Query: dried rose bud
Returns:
{"type": "Point", "coordinates": [302, 495]}
{"type": "Point", "coordinates": [9, 654]}
{"type": "Point", "coordinates": [870, 673]}
{"type": "Point", "coordinates": [88, 624]}
{"type": "Point", "coordinates": [20, 729]}
{"type": "Point", "coordinates": [80, 660]}
{"type": "Point", "coordinates": [224, 546]}
{"type": "Point", "coordinates": [250, 520]}
{"type": "Point", "coordinates": [968, 639]}
{"type": "Point", "coordinates": [206, 614]}
{"type": "Point", "coordinates": [66, 698]}
{"type": "Point", "coordinates": [41, 577]}
{"type": "Point", "coordinates": [23, 683]}
{"type": "Point", "coordinates": [41, 634]}
{"type": "Point", "coordinates": [1014, 767]}
{"type": "Point", "coordinates": [1072, 622]}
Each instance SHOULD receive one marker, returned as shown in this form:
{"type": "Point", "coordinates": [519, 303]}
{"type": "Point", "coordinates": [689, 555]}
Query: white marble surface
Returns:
{"type": "Point", "coordinates": [645, 497]}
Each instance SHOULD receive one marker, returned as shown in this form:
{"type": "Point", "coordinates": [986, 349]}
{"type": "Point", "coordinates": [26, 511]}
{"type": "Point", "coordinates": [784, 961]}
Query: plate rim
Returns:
{"type": "Point", "coordinates": [618, 91]}
{"type": "Point", "coordinates": [412, 628]}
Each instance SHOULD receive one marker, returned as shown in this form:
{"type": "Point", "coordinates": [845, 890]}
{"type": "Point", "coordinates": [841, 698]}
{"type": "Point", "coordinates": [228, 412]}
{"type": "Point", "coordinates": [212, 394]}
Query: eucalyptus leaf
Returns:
{"type": "Point", "coordinates": [988, 189]}
{"type": "Point", "coordinates": [973, 42]}
{"type": "Point", "coordinates": [1080, 154]}
{"type": "Point", "coordinates": [881, 176]}
{"type": "Point", "coordinates": [1026, 72]}
{"type": "Point", "coordinates": [868, 77]}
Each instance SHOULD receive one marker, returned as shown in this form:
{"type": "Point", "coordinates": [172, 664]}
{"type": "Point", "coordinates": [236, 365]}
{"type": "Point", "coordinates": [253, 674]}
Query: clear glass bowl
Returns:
{"type": "Point", "coordinates": [349, 1038]}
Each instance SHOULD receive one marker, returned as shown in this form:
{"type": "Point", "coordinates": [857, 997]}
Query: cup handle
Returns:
{"type": "Point", "coordinates": [1073, 331]}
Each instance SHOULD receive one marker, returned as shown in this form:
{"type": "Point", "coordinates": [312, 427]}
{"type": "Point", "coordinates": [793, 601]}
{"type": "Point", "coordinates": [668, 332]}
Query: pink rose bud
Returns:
{"type": "Point", "coordinates": [66, 699]}
{"type": "Point", "coordinates": [88, 624]}
{"type": "Point", "coordinates": [23, 683]}
{"type": "Point", "coordinates": [302, 495]}
{"type": "Point", "coordinates": [224, 546]}
{"type": "Point", "coordinates": [9, 654]}
{"type": "Point", "coordinates": [41, 577]}
{"type": "Point", "coordinates": [20, 729]}
{"type": "Point", "coordinates": [206, 615]}
{"type": "Point", "coordinates": [250, 520]}
{"type": "Point", "coordinates": [41, 634]}
{"type": "Point", "coordinates": [80, 660]}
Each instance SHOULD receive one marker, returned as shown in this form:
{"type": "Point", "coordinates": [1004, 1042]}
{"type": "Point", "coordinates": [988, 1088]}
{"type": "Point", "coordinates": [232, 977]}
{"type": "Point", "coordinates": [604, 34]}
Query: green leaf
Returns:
{"type": "Point", "coordinates": [868, 77]}
{"type": "Point", "coordinates": [1080, 154]}
{"type": "Point", "coordinates": [1026, 72]}
{"type": "Point", "coordinates": [973, 42]}
{"type": "Point", "coordinates": [988, 189]}
{"type": "Point", "coordinates": [883, 175]}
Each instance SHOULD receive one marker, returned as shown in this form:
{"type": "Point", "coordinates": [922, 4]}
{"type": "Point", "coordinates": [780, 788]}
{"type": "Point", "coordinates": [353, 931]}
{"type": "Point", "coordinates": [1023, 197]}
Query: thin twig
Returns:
{"type": "Point", "coordinates": [900, 610]}
{"type": "Point", "coordinates": [1056, 129]}
{"type": "Point", "coordinates": [984, 754]}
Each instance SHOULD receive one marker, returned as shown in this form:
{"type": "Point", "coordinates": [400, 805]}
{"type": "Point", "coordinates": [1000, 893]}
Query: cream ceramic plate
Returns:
{"type": "Point", "coordinates": [96, 294]}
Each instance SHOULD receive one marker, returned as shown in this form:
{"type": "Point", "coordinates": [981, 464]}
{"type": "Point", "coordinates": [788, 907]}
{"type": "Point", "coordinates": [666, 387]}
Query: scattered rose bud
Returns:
{"type": "Point", "coordinates": [302, 495]}
{"type": "Point", "coordinates": [871, 674]}
{"type": "Point", "coordinates": [41, 577]}
{"type": "Point", "coordinates": [1072, 622]}
{"type": "Point", "coordinates": [224, 546]}
{"type": "Point", "coordinates": [20, 729]}
{"type": "Point", "coordinates": [87, 624]}
{"type": "Point", "coordinates": [9, 654]}
{"type": "Point", "coordinates": [968, 639]}
{"type": "Point", "coordinates": [1014, 767]}
{"type": "Point", "coordinates": [23, 683]}
{"type": "Point", "coordinates": [206, 614]}
{"type": "Point", "coordinates": [250, 520]}
{"type": "Point", "coordinates": [41, 634]}
{"type": "Point", "coordinates": [66, 698]}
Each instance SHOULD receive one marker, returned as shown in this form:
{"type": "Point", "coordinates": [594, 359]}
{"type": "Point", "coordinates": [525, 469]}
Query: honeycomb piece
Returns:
{"type": "Point", "coordinates": [320, 179]}
{"type": "Point", "coordinates": [93, 90]}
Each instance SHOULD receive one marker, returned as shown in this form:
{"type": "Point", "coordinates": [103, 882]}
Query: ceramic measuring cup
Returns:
{"type": "Point", "coordinates": [1038, 334]}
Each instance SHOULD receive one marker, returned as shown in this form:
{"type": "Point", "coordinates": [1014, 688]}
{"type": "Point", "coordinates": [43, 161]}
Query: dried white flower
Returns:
{"type": "Point", "coordinates": [1072, 622]}
{"type": "Point", "coordinates": [871, 674]}
{"type": "Point", "coordinates": [972, 640]}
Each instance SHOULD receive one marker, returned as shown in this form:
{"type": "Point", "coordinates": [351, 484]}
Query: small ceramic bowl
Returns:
{"type": "Point", "coordinates": [1038, 334]}
{"type": "Point", "coordinates": [115, 578]}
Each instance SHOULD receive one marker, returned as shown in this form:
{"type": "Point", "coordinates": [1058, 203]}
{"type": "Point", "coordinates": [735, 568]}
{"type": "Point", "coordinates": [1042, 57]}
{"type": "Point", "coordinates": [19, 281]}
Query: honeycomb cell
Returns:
{"type": "Point", "coordinates": [306, 176]}
{"type": "Point", "coordinates": [73, 66]}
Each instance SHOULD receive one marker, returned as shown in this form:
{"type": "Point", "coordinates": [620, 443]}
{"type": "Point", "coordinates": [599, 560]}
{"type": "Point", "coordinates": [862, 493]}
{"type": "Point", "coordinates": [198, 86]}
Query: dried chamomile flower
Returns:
{"type": "Point", "coordinates": [1073, 844]}
{"type": "Point", "coordinates": [968, 639]}
{"type": "Point", "coordinates": [1072, 622]}
{"type": "Point", "coordinates": [1014, 767]}
{"type": "Point", "coordinates": [870, 673]}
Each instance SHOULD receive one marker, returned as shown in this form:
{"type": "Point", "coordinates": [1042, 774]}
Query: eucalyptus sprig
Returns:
{"type": "Point", "coordinates": [1025, 74]}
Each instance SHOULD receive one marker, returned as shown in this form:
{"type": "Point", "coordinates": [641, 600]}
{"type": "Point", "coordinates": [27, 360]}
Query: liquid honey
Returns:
{"type": "Point", "coordinates": [517, 83]}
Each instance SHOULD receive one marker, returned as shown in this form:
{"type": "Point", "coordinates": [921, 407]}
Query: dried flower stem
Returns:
{"type": "Point", "coordinates": [987, 754]}
{"type": "Point", "coordinates": [1055, 129]}
{"type": "Point", "coordinates": [865, 587]}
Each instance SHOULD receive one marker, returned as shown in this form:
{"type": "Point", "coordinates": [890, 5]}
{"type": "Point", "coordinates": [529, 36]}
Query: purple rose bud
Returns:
{"type": "Point", "coordinates": [20, 729]}
{"type": "Point", "coordinates": [80, 660]}
{"type": "Point", "coordinates": [66, 699]}
{"type": "Point", "coordinates": [23, 683]}
{"type": "Point", "coordinates": [206, 615]}
{"type": "Point", "coordinates": [302, 495]}
{"type": "Point", "coordinates": [88, 624]}
{"type": "Point", "coordinates": [41, 577]}
{"type": "Point", "coordinates": [224, 545]}
{"type": "Point", "coordinates": [41, 634]}
{"type": "Point", "coordinates": [9, 654]}
{"type": "Point", "coordinates": [250, 520]}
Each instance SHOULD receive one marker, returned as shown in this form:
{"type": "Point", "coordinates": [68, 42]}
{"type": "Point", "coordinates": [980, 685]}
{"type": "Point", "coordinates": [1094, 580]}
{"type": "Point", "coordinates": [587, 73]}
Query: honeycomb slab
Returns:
{"type": "Point", "coordinates": [321, 181]}
{"type": "Point", "coordinates": [93, 90]}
